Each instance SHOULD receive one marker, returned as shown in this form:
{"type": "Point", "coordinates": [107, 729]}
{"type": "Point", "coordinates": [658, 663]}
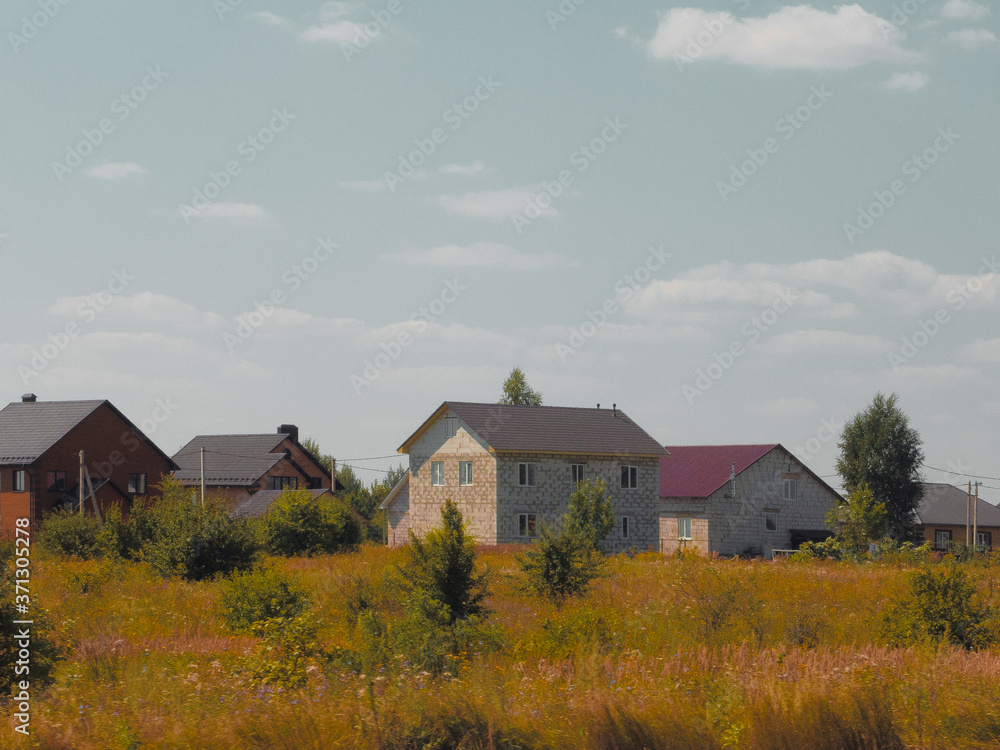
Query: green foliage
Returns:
{"type": "Point", "coordinates": [561, 565]}
{"type": "Point", "coordinates": [943, 606]}
{"type": "Point", "coordinates": [880, 449]}
{"type": "Point", "coordinates": [859, 521]}
{"type": "Point", "coordinates": [590, 512]}
{"type": "Point", "coordinates": [70, 533]}
{"type": "Point", "coordinates": [298, 524]}
{"type": "Point", "coordinates": [517, 391]}
{"type": "Point", "coordinates": [260, 594]}
{"type": "Point", "coordinates": [443, 567]}
{"type": "Point", "coordinates": [125, 538]}
{"type": "Point", "coordinates": [290, 649]}
{"type": "Point", "coordinates": [196, 542]}
{"type": "Point", "coordinates": [580, 632]}
{"type": "Point", "coordinates": [311, 447]}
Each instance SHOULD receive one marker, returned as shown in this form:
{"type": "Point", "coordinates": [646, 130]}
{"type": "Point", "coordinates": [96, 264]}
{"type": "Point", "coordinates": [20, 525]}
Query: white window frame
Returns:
{"type": "Point", "coordinates": [937, 534]}
{"type": "Point", "coordinates": [451, 426]}
{"type": "Point", "coordinates": [625, 527]}
{"type": "Point", "coordinates": [437, 468]}
{"type": "Point", "coordinates": [527, 474]}
{"type": "Point", "coordinates": [684, 525]}
{"type": "Point", "coordinates": [19, 486]}
{"type": "Point", "coordinates": [987, 539]}
{"type": "Point", "coordinates": [630, 477]}
{"type": "Point", "coordinates": [768, 514]}
{"type": "Point", "coordinates": [464, 473]}
{"type": "Point", "coordinates": [574, 470]}
{"type": "Point", "coordinates": [527, 525]}
{"type": "Point", "coordinates": [790, 489]}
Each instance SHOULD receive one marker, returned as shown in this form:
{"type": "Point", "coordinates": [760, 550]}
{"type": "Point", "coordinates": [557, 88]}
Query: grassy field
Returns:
{"type": "Point", "coordinates": [661, 653]}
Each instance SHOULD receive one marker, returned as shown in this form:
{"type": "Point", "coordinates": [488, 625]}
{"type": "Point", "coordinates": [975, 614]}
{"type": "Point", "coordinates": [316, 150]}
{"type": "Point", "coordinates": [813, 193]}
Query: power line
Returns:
{"type": "Point", "coordinates": [960, 474]}
{"type": "Point", "coordinates": [370, 458]}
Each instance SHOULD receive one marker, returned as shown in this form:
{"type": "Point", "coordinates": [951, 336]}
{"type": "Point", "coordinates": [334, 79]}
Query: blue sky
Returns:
{"type": "Point", "coordinates": [737, 221]}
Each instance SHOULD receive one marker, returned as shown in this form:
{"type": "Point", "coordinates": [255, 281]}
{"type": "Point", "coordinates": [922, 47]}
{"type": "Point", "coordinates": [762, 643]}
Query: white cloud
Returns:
{"type": "Point", "coordinates": [115, 170]}
{"type": "Point", "coordinates": [237, 213]}
{"type": "Point", "coordinates": [493, 204]}
{"type": "Point", "coordinates": [834, 343]}
{"type": "Point", "coordinates": [907, 81]}
{"type": "Point", "coordinates": [971, 39]}
{"type": "Point", "coordinates": [466, 170]}
{"type": "Point", "coordinates": [332, 11]}
{"type": "Point", "coordinates": [964, 9]}
{"type": "Point", "coordinates": [480, 255]}
{"type": "Point", "coordinates": [341, 32]}
{"type": "Point", "coordinates": [793, 37]}
{"type": "Point", "coordinates": [982, 350]}
{"type": "Point", "coordinates": [267, 18]}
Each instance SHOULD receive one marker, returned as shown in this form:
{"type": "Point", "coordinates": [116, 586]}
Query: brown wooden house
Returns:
{"type": "Point", "coordinates": [942, 514]}
{"type": "Point", "coordinates": [239, 468]}
{"type": "Point", "coordinates": [40, 444]}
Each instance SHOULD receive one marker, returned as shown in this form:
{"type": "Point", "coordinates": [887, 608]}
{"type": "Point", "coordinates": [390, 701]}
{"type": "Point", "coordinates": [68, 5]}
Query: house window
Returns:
{"type": "Point", "coordinates": [576, 472]}
{"type": "Point", "coordinates": [625, 526]}
{"type": "Point", "coordinates": [942, 538]}
{"type": "Point", "coordinates": [526, 475]}
{"type": "Point", "coordinates": [437, 473]}
{"type": "Point", "coordinates": [137, 484]}
{"type": "Point", "coordinates": [684, 529]}
{"type": "Point", "coordinates": [984, 539]}
{"type": "Point", "coordinates": [465, 473]}
{"type": "Point", "coordinates": [56, 481]}
{"type": "Point", "coordinates": [790, 488]}
{"type": "Point", "coordinates": [281, 483]}
{"type": "Point", "coordinates": [314, 483]}
{"type": "Point", "coordinates": [451, 425]}
{"type": "Point", "coordinates": [19, 480]}
{"type": "Point", "coordinates": [630, 477]}
{"type": "Point", "coordinates": [526, 526]}
{"type": "Point", "coordinates": [770, 521]}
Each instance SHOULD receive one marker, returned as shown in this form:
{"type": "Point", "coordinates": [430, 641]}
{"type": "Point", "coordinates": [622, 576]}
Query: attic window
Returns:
{"type": "Point", "coordinates": [451, 425]}
{"type": "Point", "coordinates": [790, 487]}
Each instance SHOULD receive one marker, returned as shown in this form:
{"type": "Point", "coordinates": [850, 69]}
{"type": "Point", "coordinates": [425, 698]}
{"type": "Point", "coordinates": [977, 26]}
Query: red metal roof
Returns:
{"type": "Point", "coordinates": [699, 470]}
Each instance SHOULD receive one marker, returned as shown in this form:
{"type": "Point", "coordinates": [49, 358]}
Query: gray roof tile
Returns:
{"type": "Point", "coordinates": [229, 459]}
{"type": "Point", "coordinates": [29, 429]}
{"type": "Point", "coordinates": [945, 505]}
{"type": "Point", "coordinates": [260, 502]}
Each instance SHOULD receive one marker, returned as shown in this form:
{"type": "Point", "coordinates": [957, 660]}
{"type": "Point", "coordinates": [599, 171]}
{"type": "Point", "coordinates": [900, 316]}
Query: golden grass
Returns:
{"type": "Point", "coordinates": [645, 660]}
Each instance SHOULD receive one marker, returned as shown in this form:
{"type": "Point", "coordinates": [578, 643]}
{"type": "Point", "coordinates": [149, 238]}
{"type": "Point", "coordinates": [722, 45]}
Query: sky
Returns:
{"type": "Point", "coordinates": [737, 221]}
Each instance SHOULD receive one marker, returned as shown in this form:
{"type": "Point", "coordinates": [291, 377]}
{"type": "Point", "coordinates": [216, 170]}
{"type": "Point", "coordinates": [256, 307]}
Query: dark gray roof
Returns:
{"type": "Point", "coordinates": [945, 505]}
{"type": "Point", "coordinates": [27, 430]}
{"type": "Point", "coordinates": [229, 459]}
{"type": "Point", "coordinates": [552, 429]}
{"type": "Point", "coordinates": [260, 502]}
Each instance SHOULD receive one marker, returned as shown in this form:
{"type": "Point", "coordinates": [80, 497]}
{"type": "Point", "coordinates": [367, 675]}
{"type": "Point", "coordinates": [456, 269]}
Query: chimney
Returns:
{"type": "Point", "coordinates": [29, 398]}
{"type": "Point", "coordinates": [291, 430]}
{"type": "Point", "coordinates": [614, 409]}
{"type": "Point", "coordinates": [598, 406]}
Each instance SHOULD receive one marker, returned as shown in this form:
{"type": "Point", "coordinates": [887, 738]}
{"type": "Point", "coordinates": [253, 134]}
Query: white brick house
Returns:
{"type": "Point", "coordinates": [509, 468]}
{"type": "Point", "coordinates": [778, 501]}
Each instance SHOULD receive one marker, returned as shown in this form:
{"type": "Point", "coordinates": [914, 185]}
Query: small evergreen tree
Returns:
{"type": "Point", "coordinates": [590, 512]}
{"type": "Point", "coordinates": [561, 565]}
{"type": "Point", "coordinates": [443, 567]}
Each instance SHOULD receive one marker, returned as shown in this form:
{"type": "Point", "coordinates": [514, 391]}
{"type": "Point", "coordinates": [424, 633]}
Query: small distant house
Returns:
{"type": "Point", "coordinates": [740, 499]}
{"type": "Point", "coordinates": [40, 444]}
{"type": "Point", "coordinates": [942, 513]}
{"type": "Point", "coordinates": [509, 468]}
{"type": "Point", "coordinates": [248, 472]}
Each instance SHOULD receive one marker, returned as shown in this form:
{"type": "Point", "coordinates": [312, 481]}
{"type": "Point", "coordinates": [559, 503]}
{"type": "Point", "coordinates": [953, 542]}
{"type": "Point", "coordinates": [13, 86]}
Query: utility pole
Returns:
{"type": "Point", "coordinates": [968, 502]}
{"type": "Point", "coordinates": [975, 515]}
{"type": "Point", "coordinates": [203, 476]}
{"type": "Point", "coordinates": [80, 486]}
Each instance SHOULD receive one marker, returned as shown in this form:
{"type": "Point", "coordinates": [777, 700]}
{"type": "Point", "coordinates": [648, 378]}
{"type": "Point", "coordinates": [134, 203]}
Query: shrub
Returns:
{"type": "Point", "coordinates": [69, 533]}
{"type": "Point", "coordinates": [289, 648]}
{"type": "Point", "coordinates": [258, 595]}
{"type": "Point", "coordinates": [127, 538]}
{"type": "Point", "coordinates": [299, 524]}
{"type": "Point", "coordinates": [590, 512]}
{"type": "Point", "coordinates": [561, 565]}
{"type": "Point", "coordinates": [197, 542]}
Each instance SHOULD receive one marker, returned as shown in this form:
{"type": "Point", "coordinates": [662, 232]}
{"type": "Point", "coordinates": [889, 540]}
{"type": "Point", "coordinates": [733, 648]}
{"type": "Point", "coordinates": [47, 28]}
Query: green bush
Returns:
{"type": "Point", "coordinates": [299, 524]}
{"type": "Point", "coordinates": [289, 649]}
{"type": "Point", "coordinates": [72, 534]}
{"type": "Point", "coordinates": [196, 542]}
{"type": "Point", "coordinates": [561, 564]}
{"type": "Point", "coordinates": [258, 595]}
{"type": "Point", "coordinates": [127, 538]}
